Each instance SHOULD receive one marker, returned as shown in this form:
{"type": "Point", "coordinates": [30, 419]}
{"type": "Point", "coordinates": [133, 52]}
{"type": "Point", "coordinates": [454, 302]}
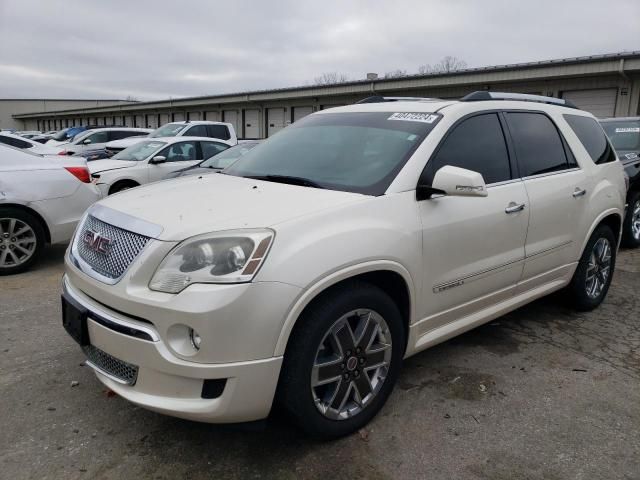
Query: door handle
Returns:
{"type": "Point", "coordinates": [514, 207]}
{"type": "Point", "coordinates": [579, 192]}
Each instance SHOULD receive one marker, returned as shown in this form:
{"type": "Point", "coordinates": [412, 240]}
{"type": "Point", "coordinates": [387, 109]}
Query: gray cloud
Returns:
{"type": "Point", "coordinates": [156, 49]}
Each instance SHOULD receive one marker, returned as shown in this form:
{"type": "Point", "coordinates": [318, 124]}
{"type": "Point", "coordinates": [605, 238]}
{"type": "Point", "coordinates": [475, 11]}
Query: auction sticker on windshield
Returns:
{"type": "Point", "coordinates": [628, 130]}
{"type": "Point", "coordinates": [414, 117]}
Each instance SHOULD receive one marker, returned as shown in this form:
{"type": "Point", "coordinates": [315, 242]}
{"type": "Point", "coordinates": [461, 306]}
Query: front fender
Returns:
{"type": "Point", "coordinates": [321, 284]}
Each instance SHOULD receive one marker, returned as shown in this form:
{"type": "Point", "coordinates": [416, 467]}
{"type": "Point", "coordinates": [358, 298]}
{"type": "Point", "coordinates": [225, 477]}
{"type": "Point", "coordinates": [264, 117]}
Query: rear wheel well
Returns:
{"type": "Point", "coordinates": [614, 222]}
{"type": "Point", "coordinates": [392, 283]}
{"type": "Point", "coordinates": [35, 214]}
{"type": "Point", "coordinates": [122, 183]}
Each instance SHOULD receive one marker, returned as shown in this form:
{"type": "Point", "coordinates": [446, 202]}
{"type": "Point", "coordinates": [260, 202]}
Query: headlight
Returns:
{"type": "Point", "coordinates": [225, 257]}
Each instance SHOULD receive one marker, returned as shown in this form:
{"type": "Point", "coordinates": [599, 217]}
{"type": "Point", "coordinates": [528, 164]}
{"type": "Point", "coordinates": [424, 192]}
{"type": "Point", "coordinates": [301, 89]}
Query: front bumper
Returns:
{"type": "Point", "coordinates": [172, 385]}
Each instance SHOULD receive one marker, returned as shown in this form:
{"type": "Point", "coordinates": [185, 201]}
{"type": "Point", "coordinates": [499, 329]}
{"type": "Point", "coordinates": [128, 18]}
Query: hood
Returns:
{"type": "Point", "coordinates": [125, 142]}
{"type": "Point", "coordinates": [55, 143]}
{"type": "Point", "coordinates": [193, 205]}
{"type": "Point", "coordinates": [98, 166]}
{"type": "Point", "coordinates": [195, 170]}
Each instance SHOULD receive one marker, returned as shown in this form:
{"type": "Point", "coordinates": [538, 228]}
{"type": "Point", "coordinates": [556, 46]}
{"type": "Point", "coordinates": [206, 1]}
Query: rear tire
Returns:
{"type": "Point", "coordinates": [334, 382]}
{"type": "Point", "coordinates": [22, 239]}
{"type": "Point", "coordinates": [592, 278]}
{"type": "Point", "coordinates": [631, 225]}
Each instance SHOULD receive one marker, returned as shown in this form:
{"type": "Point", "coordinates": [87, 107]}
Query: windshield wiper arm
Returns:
{"type": "Point", "coordinates": [304, 182]}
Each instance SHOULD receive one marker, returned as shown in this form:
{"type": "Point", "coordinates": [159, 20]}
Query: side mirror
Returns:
{"type": "Point", "coordinates": [158, 159]}
{"type": "Point", "coordinates": [87, 141]}
{"type": "Point", "coordinates": [455, 182]}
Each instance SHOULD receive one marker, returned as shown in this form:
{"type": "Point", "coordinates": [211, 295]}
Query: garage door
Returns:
{"type": "Point", "coordinates": [178, 117]}
{"type": "Point", "coordinates": [164, 118]}
{"type": "Point", "coordinates": [152, 120]}
{"type": "Point", "coordinates": [252, 123]}
{"type": "Point", "coordinates": [193, 116]}
{"type": "Point", "coordinates": [601, 102]}
{"type": "Point", "coordinates": [231, 116]}
{"type": "Point", "coordinates": [275, 120]}
{"type": "Point", "coordinates": [139, 121]}
{"type": "Point", "coordinates": [212, 116]}
{"type": "Point", "coordinates": [299, 112]}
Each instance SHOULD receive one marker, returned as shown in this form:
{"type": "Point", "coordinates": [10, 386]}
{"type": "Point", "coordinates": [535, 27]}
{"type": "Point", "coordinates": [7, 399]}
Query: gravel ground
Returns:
{"type": "Point", "coordinates": [543, 393]}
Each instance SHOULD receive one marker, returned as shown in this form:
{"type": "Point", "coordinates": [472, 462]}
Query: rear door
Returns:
{"type": "Point", "coordinates": [557, 190]}
{"type": "Point", "coordinates": [473, 247]}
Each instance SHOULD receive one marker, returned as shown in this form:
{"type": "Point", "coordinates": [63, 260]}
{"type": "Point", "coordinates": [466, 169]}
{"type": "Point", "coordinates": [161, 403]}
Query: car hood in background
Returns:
{"type": "Point", "coordinates": [98, 166]}
{"type": "Point", "coordinates": [193, 205]}
{"type": "Point", "coordinates": [124, 142]}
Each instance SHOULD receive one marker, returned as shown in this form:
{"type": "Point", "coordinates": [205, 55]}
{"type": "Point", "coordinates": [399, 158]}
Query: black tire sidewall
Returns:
{"type": "Point", "coordinates": [627, 236]}
{"type": "Point", "coordinates": [295, 383]}
{"type": "Point", "coordinates": [38, 229]}
{"type": "Point", "coordinates": [579, 295]}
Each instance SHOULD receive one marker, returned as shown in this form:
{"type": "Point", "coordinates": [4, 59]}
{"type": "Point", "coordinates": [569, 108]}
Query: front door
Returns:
{"type": "Point", "coordinates": [473, 247]}
{"type": "Point", "coordinates": [178, 155]}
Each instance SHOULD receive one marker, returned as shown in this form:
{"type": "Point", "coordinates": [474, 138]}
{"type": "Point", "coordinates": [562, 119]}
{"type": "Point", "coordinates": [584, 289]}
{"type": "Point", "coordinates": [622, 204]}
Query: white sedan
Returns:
{"type": "Point", "coordinates": [152, 160]}
{"type": "Point", "coordinates": [42, 198]}
{"type": "Point", "coordinates": [27, 144]}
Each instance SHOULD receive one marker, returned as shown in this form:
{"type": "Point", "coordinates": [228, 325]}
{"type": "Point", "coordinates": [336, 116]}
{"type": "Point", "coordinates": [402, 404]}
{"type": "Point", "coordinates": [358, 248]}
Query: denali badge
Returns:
{"type": "Point", "coordinates": [97, 242]}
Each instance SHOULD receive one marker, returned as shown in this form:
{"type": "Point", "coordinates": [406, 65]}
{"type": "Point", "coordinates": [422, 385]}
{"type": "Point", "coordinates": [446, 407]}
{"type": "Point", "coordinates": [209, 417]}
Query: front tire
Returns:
{"type": "Point", "coordinates": [631, 225]}
{"type": "Point", "coordinates": [22, 240]}
{"type": "Point", "coordinates": [343, 360]}
{"type": "Point", "coordinates": [592, 278]}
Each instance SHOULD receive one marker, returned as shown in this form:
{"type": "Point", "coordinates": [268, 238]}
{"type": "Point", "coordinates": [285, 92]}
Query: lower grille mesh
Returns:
{"type": "Point", "coordinates": [119, 369]}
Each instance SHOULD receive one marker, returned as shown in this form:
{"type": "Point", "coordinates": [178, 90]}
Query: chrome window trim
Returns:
{"type": "Point", "coordinates": [69, 290]}
{"type": "Point", "coordinates": [549, 174]}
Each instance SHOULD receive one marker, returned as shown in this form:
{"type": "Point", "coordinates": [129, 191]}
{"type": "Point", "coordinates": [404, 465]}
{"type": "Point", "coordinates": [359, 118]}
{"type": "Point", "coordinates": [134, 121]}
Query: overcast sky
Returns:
{"type": "Point", "coordinates": [157, 49]}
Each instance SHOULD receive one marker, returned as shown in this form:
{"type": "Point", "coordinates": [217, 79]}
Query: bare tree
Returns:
{"type": "Point", "coordinates": [395, 74]}
{"type": "Point", "coordinates": [445, 65]}
{"type": "Point", "coordinates": [330, 78]}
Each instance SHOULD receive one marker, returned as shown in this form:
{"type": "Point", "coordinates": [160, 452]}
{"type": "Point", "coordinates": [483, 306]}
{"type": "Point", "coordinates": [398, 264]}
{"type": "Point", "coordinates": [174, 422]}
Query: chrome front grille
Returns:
{"type": "Point", "coordinates": [121, 371]}
{"type": "Point", "coordinates": [112, 258]}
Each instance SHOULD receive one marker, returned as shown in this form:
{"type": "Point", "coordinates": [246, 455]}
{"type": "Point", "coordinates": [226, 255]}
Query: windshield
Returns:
{"type": "Point", "coordinates": [139, 151]}
{"type": "Point", "coordinates": [624, 134]}
{"type": "Point", "coordinates": [228, 156]}
{"type": "Point", "coordinates": [168, 130]}
{"type": "Point", "coordinates": [352, 152]}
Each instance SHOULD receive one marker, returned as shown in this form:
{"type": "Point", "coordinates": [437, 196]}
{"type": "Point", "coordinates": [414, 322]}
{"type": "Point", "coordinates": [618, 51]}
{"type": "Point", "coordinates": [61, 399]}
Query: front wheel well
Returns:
{"type": "Point", "coordinates": [35, 214]}
{"type": "Point", "coordinates": [388, 281]}
{"type": "Point", "coordinates": [122, 183]}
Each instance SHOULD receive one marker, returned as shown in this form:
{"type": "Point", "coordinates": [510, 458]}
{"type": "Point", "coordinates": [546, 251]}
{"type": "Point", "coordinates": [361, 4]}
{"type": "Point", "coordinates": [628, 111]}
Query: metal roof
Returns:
{"type": "Point", "coordinates": [351, 87]}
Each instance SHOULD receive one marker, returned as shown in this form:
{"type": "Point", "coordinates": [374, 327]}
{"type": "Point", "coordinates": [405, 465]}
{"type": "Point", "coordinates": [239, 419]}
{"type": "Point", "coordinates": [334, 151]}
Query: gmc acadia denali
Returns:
{"type": "Point", "coordinates": [306, 271]}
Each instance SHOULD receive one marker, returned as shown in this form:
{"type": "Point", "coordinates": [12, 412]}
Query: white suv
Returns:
{"type": "Point", "coordinates": [307, 270]}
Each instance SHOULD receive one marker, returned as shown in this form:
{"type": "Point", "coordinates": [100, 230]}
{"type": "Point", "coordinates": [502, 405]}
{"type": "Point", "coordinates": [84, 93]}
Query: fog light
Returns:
{"type": "Point", "coordinates": [195, 339]}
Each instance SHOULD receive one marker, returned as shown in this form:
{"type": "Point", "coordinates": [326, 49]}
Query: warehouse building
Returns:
{"type": "Point", "coordinates": [9, 108]}
{"type": "Point", "coordinates": [606, 85]}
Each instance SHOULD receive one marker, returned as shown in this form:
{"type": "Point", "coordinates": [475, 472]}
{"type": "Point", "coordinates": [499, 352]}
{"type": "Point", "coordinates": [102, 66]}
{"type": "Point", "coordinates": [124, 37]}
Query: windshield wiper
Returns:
{"type": "Point", "coordinates": [304, 182]}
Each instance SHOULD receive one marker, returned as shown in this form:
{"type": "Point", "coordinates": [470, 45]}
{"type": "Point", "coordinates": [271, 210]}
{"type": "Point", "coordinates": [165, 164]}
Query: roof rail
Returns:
{"type": "Point", "coordinates": [523, 97]}
{"type": "Point", "coordinates": [381, 99]}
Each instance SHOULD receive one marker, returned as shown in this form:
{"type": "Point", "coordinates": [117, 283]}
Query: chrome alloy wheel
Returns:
{"type": "Point", "coordinates": [635, 220]}
{"type": "Point", "coordinates": [17, 242]}
{"type": "Point", "coordinates": [351, 364]}
{"type": "Point", "coordinates": [599, 268]}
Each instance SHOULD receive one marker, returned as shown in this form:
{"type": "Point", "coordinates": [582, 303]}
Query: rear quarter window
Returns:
{"type": "Point", "coordinates": [592, 137]}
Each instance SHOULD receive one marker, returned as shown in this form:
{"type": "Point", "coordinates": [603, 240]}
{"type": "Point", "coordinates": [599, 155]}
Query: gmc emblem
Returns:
{"type": "Point", "coordinates": [97, 242]}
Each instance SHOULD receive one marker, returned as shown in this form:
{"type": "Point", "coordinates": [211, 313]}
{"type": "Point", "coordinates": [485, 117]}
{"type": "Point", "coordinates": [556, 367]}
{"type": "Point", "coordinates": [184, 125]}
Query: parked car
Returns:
{"type": "Point", "coordinates": [95, 154]}
{"type": "Point", "coordinates": [28, 144]}
{"type": "Point", "coordinates": [99, 137]}
{"type": "Point", "coordinates": [42, 197]}
{"type": "Point", "coordinates": [625, 137]}
{"type": "Point", "coordinates": [219, 130]}
{"type": "Point", "coordinates": [219, 161]}
{"type": "Point", "coordinates": [65, 135]}
{"type": "Point", "coordinates": [27, 133]}
{"type": "Point", "coordinates": [151, 160]}
{"type": "Point", "coordinates": [306, 271]}
{"type": "Point", "coordinates": [44, 137]}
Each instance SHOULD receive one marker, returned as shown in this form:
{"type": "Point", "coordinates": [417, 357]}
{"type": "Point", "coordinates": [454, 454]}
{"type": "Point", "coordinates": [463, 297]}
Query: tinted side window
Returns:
{"type": "Point", "coordinates": [476, 144]}
{"type": "Point", "coordinates": [538, 145]}
{"type": "Point", "coordinates": [14, 142]}
{"type": "Point", "coordinates": [180, 152]}
{"type": "Point", "coordinates": [218, 131]}
{"type": "Point", "coordinates": [590, 133]}
{"type": "Point", "coordinates": [209, 149]}
{"type": "Point", "coordinates": [98, 137]}
{"type": "Point", "coordinates": [197, 131]}
{"type": "Point", "coordinates": [120, 134]}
